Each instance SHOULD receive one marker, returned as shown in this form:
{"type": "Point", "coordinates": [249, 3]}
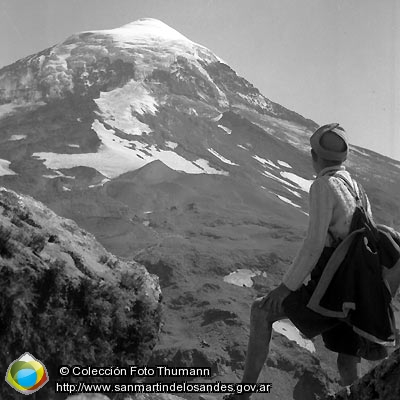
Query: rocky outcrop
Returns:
{"type": "Point", "coordinates": [381, 383]}
{"type": "Point", "coordinates": [65, 299]}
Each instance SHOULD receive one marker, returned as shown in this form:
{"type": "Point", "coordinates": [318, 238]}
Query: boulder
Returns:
{"type": "Point", "coordinates": [382, 382]}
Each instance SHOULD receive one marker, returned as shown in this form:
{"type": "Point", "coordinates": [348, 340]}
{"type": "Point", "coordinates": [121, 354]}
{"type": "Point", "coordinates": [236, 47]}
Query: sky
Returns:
{"type": "Point", "coordinates": [328, 60]}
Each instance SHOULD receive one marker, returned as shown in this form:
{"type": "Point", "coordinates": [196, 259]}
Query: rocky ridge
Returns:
{"type": "Point", "coordinates": [65, 299]}
{"type": "Point", "coordinates": [382, 382]}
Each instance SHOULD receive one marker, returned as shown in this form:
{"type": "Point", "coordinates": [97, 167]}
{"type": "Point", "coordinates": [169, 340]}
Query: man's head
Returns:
{"type": "Point", "coordinates": [329, 145]}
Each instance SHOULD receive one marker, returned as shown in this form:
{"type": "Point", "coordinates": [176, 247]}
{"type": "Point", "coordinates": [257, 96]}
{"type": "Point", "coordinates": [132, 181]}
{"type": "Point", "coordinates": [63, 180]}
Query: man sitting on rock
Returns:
{"type": "Point", "coordinates": [330, 215]}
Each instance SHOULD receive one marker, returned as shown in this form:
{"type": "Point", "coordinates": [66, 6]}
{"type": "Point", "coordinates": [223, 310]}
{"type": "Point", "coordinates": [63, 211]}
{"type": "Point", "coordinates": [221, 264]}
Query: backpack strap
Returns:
{"type": "Point", "coordinates": [361, 204]}
{"type": "Point", "coordinates": [359, 194]}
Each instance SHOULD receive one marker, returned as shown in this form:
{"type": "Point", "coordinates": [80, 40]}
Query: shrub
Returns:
{"type": "Point", "coordinates": [68, 322]}
{"type": "Point", "coordinates": [16, 221]}
{"type": "Point", "coordinates": [37, 242]}
{"type": "Point", "coordinates": [5, 244]}
{"type": "Point", "coordinates": [103, 259]}
{"type": "Point", "coordinates": [111, 261]}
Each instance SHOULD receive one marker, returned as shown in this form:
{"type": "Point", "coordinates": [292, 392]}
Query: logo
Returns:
{"type": "Point", "coordinates": [27, 374]}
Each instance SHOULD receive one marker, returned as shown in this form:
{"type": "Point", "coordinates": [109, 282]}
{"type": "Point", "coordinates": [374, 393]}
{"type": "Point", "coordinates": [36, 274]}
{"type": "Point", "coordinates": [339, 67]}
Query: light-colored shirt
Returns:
{"type": "Point", "coordinates": [330, 214]}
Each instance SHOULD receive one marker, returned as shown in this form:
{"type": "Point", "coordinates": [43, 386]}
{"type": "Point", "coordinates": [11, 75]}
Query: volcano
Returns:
{"type": "Point", "coordinates": [156, 146]}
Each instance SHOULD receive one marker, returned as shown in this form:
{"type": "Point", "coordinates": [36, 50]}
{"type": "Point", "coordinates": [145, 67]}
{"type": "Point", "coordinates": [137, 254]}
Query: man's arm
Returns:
{"type": "Point", "coordinates": [321, 208]}
{"type": "Point", "coordinates": [320, 214]}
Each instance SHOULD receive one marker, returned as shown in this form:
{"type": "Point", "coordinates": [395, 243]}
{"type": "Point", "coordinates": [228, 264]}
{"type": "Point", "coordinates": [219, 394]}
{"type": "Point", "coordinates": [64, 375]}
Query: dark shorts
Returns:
{"type": "Point", "coordinates": [337, 335]}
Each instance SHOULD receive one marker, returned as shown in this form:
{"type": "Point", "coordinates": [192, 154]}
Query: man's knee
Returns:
{"type": "Point", "coordinates": [256, 303]}
{"type": "Point", "coordinates": [259, 313]}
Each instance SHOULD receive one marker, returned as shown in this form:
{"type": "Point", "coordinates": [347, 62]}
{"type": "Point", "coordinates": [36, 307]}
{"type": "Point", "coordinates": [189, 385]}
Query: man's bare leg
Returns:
{"type": "Point", "coordinates": [349, 368]}
{"type": "Point", "coordinates": [258, 345]}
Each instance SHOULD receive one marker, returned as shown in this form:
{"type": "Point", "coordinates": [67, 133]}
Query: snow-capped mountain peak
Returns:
{"type": "Point", "coordinates": [144, 30]}
{"type": "Point", "coordinates": [103, 59]}
{"type": "Point", "coordinates": [127, 93]}
{"type": "Point", "coordinates": [148, 34]}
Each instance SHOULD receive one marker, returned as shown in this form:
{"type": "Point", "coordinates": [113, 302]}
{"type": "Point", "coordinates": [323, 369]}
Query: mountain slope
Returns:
{"type": "Point", "coordinates": [157, 147]}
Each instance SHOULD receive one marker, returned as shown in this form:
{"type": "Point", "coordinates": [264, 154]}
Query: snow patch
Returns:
{"type": "Point", "coordinates": [205, 166]}
{"type": "Point", "coordinates": [59, 175]}
{"type": "Point", "coordinates": [117, 156]}
{"type": "Point", "coordinates": [17, 137]}
{"type": "Point", "coordinates": [284, 164]}
{"type": "Point", "coordinates": [143, 31]}
{"type": "Point", "coordinates": [271, 176]}
{"type": "Point", "coordinates": [171, 145]}
{"type": "Point", "coordinates": [242, 277]}
{"type": "Point", "coordinates": [286, 328]}
{"type": "Point", "coordinates": [217, 118]}
{"type": "Point", "coordinates": [284, 199]}
{"type": "Point", "coordinates": [303, 184]}
{"type": "Point", "coordinates": [105, 180]}
{"type": "Point", "coordinates": [5, 168]}
{"type": "Point", "coordinates": [257, 100]}
{"type": "Point", "coordinates": [264, 161]}
{"type": "Point", "coordinates": [6, 109]}
{"type": "Point", "coordinates": [222, 158]}
{"type": "Point", "coordinates": [156, 46]}
{"type": "Point", "coordinates": [50, 176]}
{"type": "Point", "coordinates": [294, 192]}
{"type": "Point", "coordinates": [227, 130]}
{"type": "Point", "coordinates": [242, 147]}
{"type": "Point", "coordinates": [76, 146]}
{"type": "Point", "coordinates": [117, 107]}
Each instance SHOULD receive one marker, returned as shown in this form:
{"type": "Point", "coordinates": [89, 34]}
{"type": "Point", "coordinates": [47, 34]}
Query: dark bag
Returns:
{"type": "Point", "coordinates": [358, 283]}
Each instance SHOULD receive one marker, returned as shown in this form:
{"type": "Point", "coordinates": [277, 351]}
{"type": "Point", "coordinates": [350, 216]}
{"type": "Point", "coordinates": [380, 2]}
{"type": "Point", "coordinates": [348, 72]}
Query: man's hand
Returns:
{"type": "Point", "coordinates": [273, 300]}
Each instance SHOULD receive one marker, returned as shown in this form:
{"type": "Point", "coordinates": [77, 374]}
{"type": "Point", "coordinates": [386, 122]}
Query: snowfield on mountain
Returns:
{"type": "Point", "coordinates": [157, 147]}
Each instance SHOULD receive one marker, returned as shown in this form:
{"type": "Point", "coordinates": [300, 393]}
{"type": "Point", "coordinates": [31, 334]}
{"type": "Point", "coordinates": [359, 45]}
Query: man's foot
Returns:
{"type": "Point", "coordinates": [371, 351]}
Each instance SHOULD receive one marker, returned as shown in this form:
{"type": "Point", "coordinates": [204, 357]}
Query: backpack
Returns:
{"type": "Point", "coordinates": [361, 218]}
{"type": "Point", "coordinates": [357, 291]}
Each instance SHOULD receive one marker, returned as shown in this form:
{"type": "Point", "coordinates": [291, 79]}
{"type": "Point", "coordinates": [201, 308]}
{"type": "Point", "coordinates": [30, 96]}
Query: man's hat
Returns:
{"type": "Point", "coordinates": [332, 149]}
